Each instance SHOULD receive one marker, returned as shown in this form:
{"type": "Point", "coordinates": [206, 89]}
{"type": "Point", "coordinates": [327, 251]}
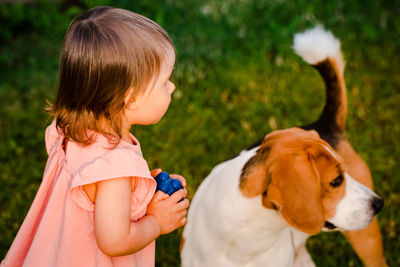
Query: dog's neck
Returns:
{"type": "Point", "coordinates": [237, 230]}
{"type": "Point", "coordinates": [245, 207]}
{"type": "Point", "coordinates": [251, 214]}
{"type": "Point", "coordinates": [252, 227]}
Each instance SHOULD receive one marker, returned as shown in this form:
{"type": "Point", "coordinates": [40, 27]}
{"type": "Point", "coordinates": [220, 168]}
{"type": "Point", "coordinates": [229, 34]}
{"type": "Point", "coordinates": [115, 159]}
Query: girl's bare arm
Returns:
{"type": "Point", "coordinates": [116, 234]}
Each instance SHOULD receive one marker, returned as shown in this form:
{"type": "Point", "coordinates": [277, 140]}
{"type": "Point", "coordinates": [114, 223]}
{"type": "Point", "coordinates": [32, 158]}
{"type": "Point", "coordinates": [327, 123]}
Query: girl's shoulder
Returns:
{"type": "Point", "coordinates": [101, 147]}
{"type": "Point", "coordinates": [101, 161]}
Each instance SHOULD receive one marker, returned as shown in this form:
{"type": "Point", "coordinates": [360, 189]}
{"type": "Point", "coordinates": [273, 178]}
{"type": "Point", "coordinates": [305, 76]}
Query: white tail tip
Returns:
{"type": "Point", "coordinates": [317, 44]}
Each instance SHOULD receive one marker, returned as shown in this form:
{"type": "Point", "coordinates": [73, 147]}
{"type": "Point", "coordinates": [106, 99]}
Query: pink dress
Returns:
{"type": "Point", "coordinates": [59, 227]}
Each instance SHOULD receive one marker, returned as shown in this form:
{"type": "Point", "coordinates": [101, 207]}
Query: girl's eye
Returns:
{"type": "Point", "coordinates": [337, 181]}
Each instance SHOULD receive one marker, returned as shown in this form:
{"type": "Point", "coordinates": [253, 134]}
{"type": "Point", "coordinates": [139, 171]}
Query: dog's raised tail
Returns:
{"type": "Point", "coordinates": [321, 49]}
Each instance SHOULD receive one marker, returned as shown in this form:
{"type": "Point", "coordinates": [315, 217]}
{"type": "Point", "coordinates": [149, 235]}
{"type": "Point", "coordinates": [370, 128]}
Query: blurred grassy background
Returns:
{"type": "Point", "coordinates": [237, 79]}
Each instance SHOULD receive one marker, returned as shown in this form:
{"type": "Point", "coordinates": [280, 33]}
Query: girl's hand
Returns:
{"type": "Point", "coordinates": [168, 211]}
{"type": "Point", "coordinates": [180, 178]}
{"type": "Point", "coordinates": [156, 172]}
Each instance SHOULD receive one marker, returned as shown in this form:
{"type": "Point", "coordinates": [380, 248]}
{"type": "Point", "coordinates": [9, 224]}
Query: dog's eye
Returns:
{"type": "Point", "coordinates": [337, 181]}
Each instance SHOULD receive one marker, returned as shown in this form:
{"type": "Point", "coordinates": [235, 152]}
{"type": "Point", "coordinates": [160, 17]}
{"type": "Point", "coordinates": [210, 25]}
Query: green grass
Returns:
{"type": "Point", "coordinates": [237, 79]}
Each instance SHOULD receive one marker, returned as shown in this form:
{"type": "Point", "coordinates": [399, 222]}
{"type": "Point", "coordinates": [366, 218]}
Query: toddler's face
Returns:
{"type": "Point", "coordinates": [151, 106]}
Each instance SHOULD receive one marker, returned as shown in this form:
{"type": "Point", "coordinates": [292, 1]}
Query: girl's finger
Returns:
{"type": "Point", "coordinates": [185, 191]}
{"type": "Point", "coordinates": [177, 196]}
{"type": "Point", "coordinates": [180, 178]}
{"type": "Point", "coordinates": [155, 172]}
{"type": "Point", "coordinates": [183, 213]}
{"type": "Point", "coordinates": [160, 195]}
{"type": "Point", "coordinates": [183, 221]}
{"type": "Point", "coordinates": [184, 204]}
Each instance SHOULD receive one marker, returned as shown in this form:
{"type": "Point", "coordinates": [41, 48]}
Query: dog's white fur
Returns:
{"type": "Point", "coordinates": [227, 229]}
{"type": "Point", "coordinates": [316, 44]}
{"type": "Point", "coordinates": [354, 210]}
{"type": "Point", "coordinates": [222, 229]}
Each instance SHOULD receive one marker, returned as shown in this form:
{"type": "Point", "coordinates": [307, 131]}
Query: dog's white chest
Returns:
{"type": "Point", "coordinates": [226, 229]}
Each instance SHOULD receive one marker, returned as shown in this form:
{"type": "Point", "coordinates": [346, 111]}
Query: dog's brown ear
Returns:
{"type": "Point", "coordinates": [296, 191]}
{"type": "Point", "coordinates": [255, 176]}
{"type": "Point", "coordinates": [253, 179]}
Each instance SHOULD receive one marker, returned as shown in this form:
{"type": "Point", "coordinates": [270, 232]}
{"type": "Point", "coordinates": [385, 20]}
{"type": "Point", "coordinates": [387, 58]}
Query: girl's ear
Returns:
{"type": "Point", "coordinates": [131, 105]}
{"type": "Point", "coordinates": [129, 100]}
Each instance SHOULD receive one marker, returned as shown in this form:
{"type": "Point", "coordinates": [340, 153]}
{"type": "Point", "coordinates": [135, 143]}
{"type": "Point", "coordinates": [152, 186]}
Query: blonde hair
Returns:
{"type": "Point", "coordinates": [106, 51]}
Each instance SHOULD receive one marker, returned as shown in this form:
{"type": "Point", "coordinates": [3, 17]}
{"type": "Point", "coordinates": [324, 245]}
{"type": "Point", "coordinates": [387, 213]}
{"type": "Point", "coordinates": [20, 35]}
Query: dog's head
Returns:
{"type": "Point", "coordinates": [301, 176]}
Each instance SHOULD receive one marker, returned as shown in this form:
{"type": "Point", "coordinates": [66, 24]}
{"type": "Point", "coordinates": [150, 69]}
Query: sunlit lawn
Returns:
{"type": "Point", "coordinates": [237, 79]}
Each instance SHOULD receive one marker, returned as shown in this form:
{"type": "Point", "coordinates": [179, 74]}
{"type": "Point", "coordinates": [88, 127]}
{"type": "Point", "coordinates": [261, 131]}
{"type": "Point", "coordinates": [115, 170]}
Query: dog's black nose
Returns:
{"type": "Point", "coordinates": [329, 225]}
{"type": "Point", "coordinates": [377, 204]}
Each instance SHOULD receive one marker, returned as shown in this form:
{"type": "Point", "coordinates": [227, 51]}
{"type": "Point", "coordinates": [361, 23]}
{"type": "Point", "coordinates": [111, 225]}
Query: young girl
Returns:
{"type": "Point", "coordinates": [97, 204]}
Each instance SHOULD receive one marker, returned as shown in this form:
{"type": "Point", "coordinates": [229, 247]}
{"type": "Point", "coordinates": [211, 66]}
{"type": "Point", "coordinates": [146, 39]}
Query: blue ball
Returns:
{"type": "Point", "coordinates": [162, 176]}
{"type": "Point", "coordinates": [171, 190]}
{"type": "Point", "coordinates": [176, 184]}
{"type": "Point", "coordinates": [165, 187]}
{"type": "Point", "coordinates": [166, 184]}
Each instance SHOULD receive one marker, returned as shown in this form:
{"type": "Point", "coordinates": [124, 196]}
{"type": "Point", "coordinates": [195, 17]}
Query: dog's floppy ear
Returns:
{"type": "Point", "coordinates": [296, 191]}
{"type": "Point", "coordinates": [253, 179]}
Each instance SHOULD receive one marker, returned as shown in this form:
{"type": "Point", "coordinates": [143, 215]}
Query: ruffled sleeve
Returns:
{"type": "Point", "coordinates": [115, 163]}
{"type": "Point", "coordinates": [52, 137]}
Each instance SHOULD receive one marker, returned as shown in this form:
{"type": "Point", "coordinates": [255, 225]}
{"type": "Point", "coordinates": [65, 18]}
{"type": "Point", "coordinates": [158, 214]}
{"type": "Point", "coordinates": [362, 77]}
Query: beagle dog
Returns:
{"type": "Point", "coordinates": [259, 208]}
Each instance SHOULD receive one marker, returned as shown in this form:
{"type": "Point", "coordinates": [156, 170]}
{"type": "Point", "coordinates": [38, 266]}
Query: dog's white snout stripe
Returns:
{"type": "Point", "coordinates": [356, 209]}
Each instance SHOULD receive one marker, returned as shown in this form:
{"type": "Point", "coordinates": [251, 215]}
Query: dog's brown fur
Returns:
{"type": "Point", "coordinates": [367, 242]}
{"type": "Point", "coordinates": [331, 126]}
{"type": "Point", "coordinates": [293, 169]}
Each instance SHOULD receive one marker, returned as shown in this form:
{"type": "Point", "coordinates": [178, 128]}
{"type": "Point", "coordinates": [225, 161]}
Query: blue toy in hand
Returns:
{"type": "Point", "coordinates": [166, 184]}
